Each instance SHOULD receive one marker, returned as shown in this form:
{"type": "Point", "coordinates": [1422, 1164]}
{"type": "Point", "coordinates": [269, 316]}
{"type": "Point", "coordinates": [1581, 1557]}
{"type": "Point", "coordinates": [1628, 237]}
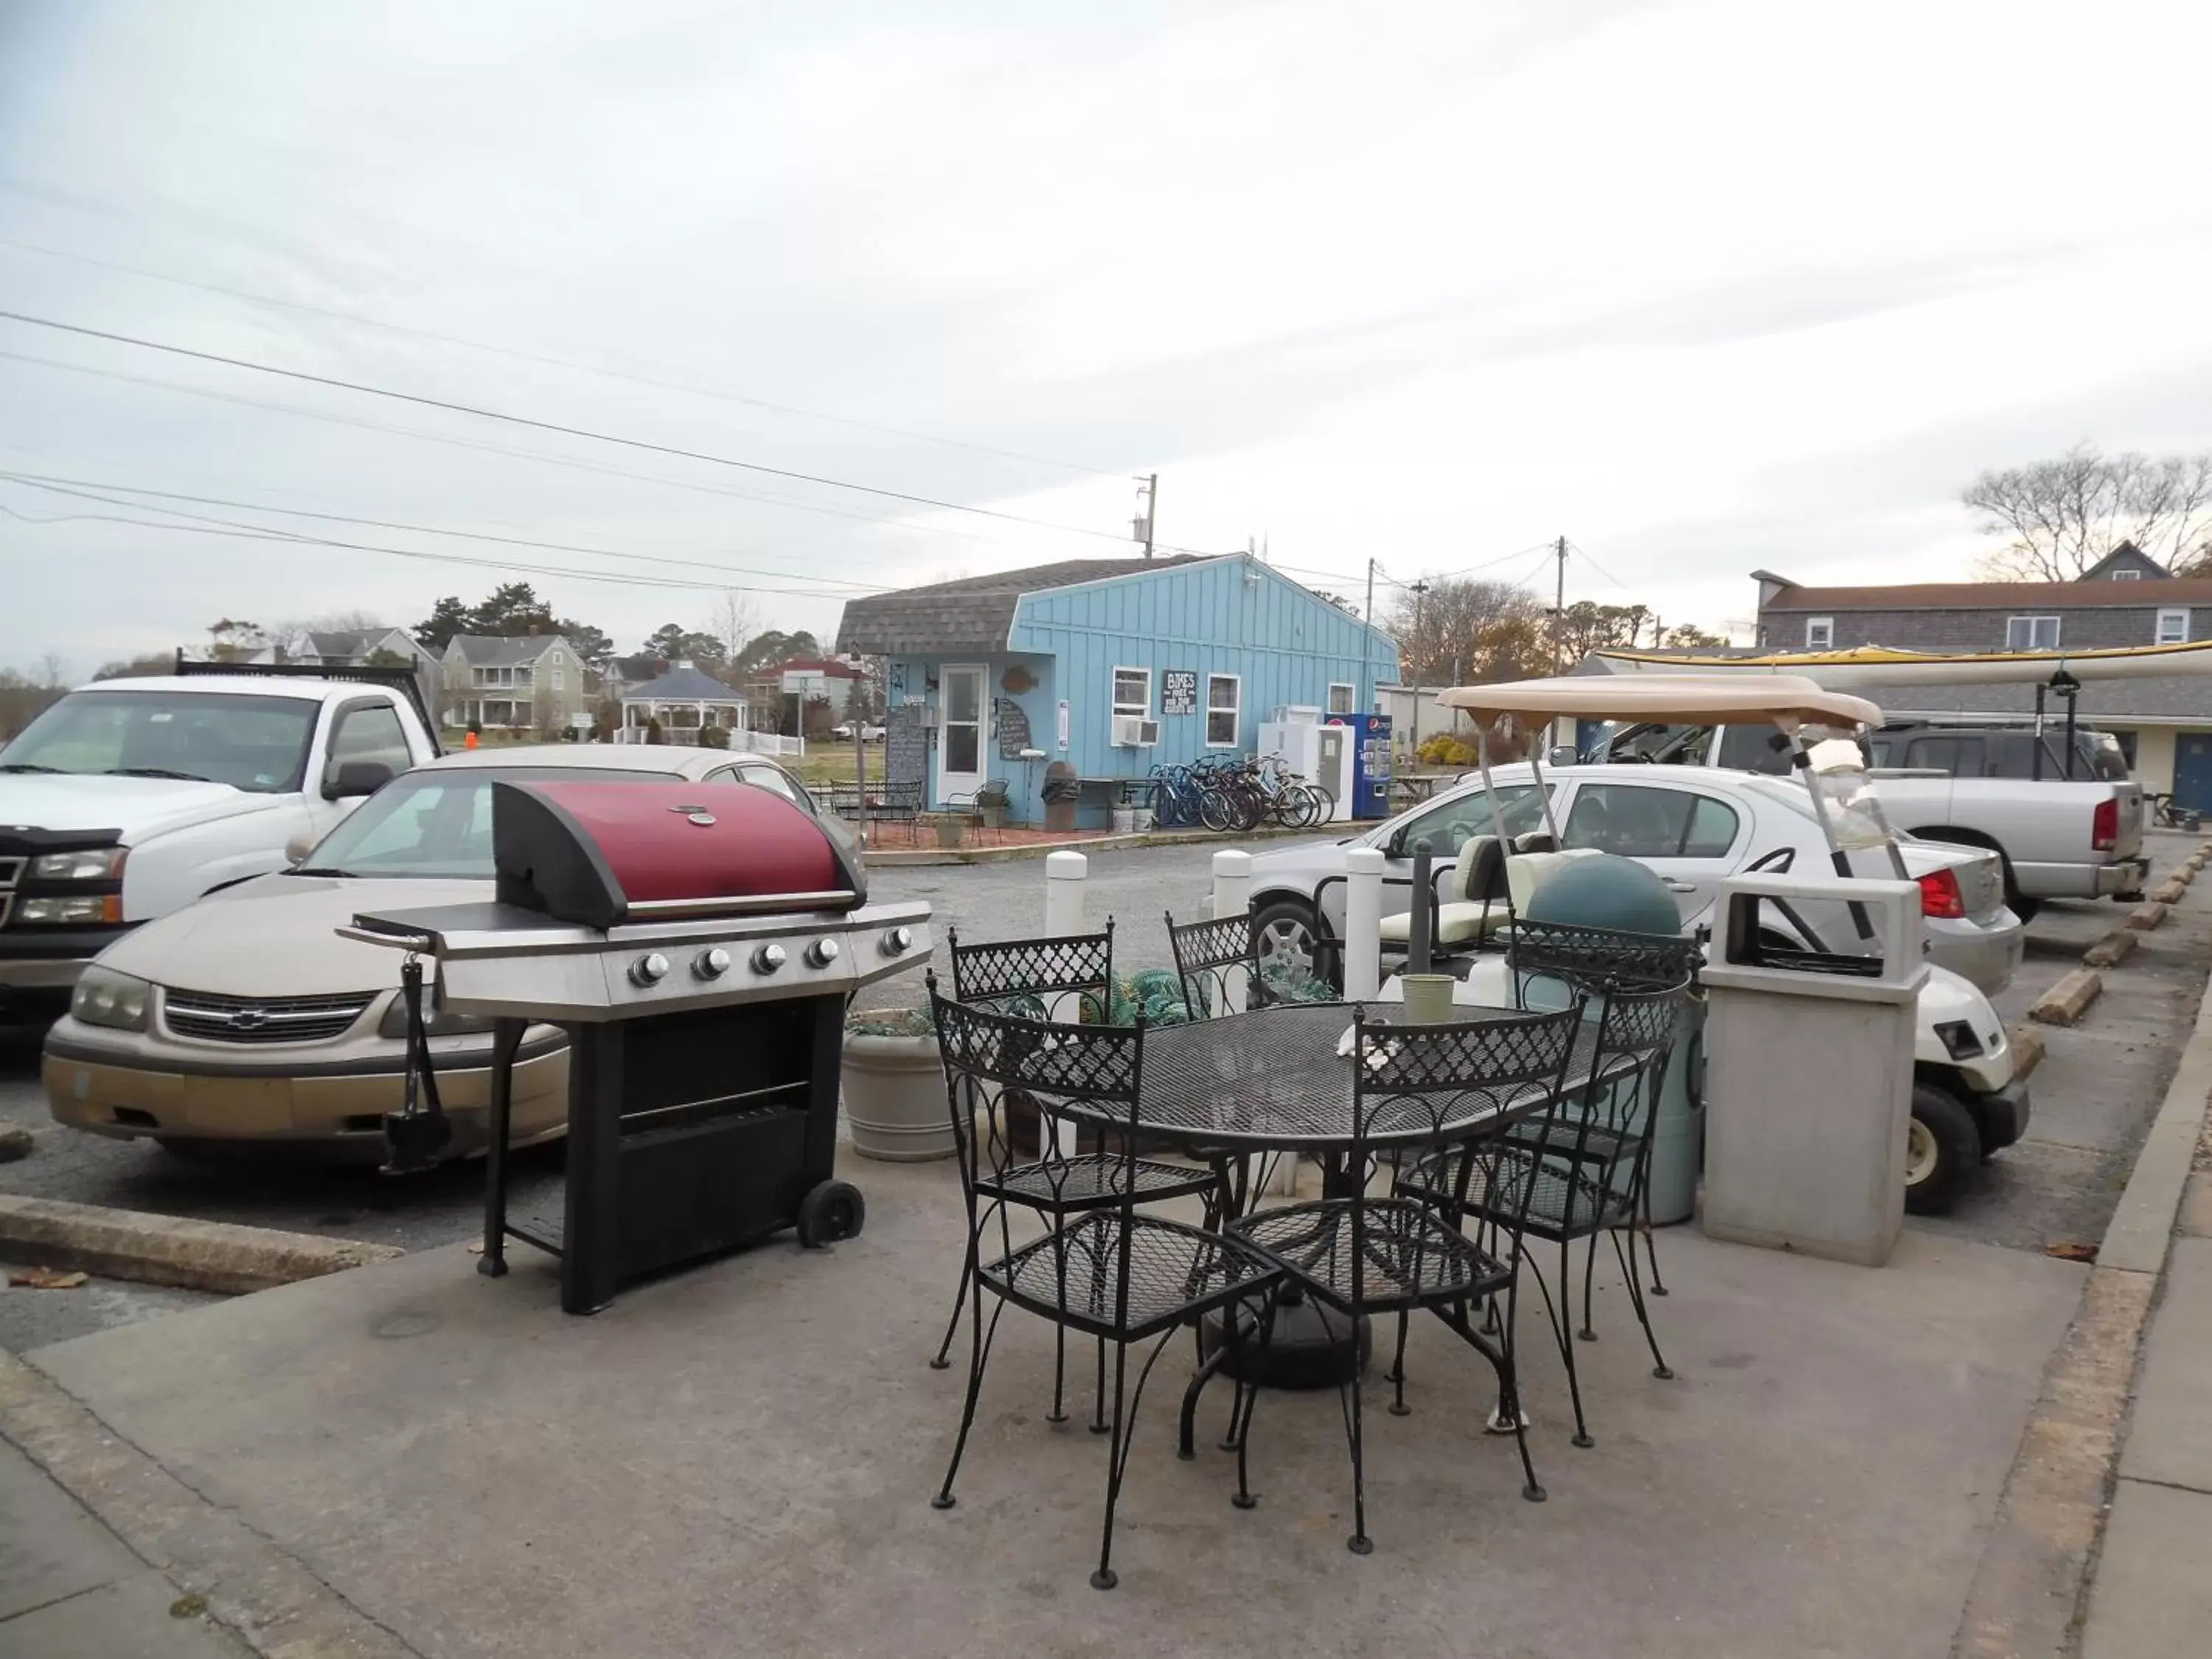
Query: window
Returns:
{"type": "Point", "coordinates": [2124, 574]}
{"type": "Point", "coordinates": [1224, 697]}
{"type": "Point", "coordinates": [368, 733]}
{"type": "Point", "coordinates": [1639, 822]}
{"type": "Point", "coordinates": [560, 678]}
{"type": "Point", "coordinates": [438, 821]}
{"type": "Point", "coordinates": [1819, 633]}
{"type": "Point", "coordinates": [1448, 825]}
{"type": "Point", "coordinates": [2032, 634]}
{"type": "Point", "coordinates": [1132, 691]}
{"type": "Point", "coordinates": [1340, 697]}
{"type": "Point", "coordinates": [2173, 626]}
{"type": "Point", "coordinates": [1755, 749]}
{"type": "Point", "coordinates": [256, 743]}
{"type": "Point", "coordinates": [1961, 757]}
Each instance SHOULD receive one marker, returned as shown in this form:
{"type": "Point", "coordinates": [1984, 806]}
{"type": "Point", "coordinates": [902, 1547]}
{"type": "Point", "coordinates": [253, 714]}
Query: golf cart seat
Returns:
{"type": "Point", "coordinates": [1473, 891]}
{"type": "Point", "coordinates": [1527, 871]}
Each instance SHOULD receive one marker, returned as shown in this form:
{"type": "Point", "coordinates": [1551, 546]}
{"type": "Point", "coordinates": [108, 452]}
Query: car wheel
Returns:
{"type": "Point", "coordinates": [1941, 1144]}
{"type": "Point", "coordinates": [1283, 931]}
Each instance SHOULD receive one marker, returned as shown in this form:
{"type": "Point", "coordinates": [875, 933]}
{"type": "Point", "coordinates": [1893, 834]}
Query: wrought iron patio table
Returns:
{"type": "Point", "coordinates": [1278, 1080]}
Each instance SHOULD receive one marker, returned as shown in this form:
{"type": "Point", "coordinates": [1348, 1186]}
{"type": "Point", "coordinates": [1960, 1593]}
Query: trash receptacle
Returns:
{"type": "Point", "coordinates": [1808, 1071]}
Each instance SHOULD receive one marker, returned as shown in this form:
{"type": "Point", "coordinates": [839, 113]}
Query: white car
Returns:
{"type": "Point", "coordinates": [246, 1018]}
{"type": "Point", "coordinates": [1693, 827]}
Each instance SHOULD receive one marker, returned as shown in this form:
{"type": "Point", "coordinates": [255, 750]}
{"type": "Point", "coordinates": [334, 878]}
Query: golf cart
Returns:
{"type": "Point", "coordinates": [1967, 1104]}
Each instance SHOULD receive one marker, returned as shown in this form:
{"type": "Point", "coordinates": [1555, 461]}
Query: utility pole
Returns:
{"type": "Point", "coordinates": [1148, 488]}
{"type": "Point", "coordinates": [1418, 589]}
{"type": "Point", "coordinates": [1559, 611]}
{"type": "Point", "coordinates": [1367, 636]}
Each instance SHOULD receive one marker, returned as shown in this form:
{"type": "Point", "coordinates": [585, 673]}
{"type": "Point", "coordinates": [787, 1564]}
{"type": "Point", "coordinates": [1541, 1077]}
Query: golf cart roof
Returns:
{"type": "Point", "coordinates": [1789, 700]}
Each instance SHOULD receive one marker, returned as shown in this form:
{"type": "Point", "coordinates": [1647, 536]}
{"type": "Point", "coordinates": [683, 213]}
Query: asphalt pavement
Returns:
{"type": "Point", "coordinates": [2093, 1097]}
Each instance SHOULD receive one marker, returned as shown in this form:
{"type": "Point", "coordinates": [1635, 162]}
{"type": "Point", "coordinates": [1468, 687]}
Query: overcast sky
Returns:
{"type": "Point", "coordinates": [1705, 286]}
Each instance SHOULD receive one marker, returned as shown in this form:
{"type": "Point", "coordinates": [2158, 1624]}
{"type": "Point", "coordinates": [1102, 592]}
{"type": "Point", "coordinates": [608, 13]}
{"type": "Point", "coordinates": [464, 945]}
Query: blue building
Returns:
{"type": "Point", "coordinates": [1111, 665]}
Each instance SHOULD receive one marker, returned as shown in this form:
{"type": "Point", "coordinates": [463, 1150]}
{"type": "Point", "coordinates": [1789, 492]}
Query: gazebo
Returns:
{"type": "Point", "coordinates": [682, 701]}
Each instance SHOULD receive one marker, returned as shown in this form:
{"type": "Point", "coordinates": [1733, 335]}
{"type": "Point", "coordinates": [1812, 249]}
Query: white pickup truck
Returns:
{"type": "Point", "coordinates": [2058, 839]}
{"type": "Point", "coordinates": [132, 798]}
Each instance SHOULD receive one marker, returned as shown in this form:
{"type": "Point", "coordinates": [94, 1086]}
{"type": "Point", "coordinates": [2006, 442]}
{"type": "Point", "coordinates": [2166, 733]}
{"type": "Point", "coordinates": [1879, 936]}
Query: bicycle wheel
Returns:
{"type": "Point", "coordinates": [1215, 809]}
{"type": "Point", "coordinates": [1251, 807]}
{"type": "Point", "coordinates": [1324, 804]}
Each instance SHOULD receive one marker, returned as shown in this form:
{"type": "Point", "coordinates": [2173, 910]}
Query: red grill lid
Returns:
{"type": "Point", "coordinates": [601, 854]}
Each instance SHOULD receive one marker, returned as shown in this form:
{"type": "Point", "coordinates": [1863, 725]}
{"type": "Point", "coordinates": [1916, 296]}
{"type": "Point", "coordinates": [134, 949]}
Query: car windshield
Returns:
{"type": "Point", "coordinates": [257, 743]}
{"type": "Point", "coordinates": [1447, 825]}
{"type": "Point", "coordinates": [437, 823]}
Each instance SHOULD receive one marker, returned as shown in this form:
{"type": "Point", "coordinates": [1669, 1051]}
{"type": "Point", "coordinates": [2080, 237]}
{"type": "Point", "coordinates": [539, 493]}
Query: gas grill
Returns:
{"type": "Point", "coordinates": [699, 943]}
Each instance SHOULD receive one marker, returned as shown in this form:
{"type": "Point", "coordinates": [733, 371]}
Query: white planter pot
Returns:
{"type": "Point", "coordinates": [895, 1101]}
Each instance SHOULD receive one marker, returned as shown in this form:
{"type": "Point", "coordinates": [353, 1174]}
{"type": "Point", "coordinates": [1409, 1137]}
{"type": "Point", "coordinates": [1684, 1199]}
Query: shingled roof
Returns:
{"type": "Point", "coordinates": [972, 614]}
{"type": "Point", "coordinates": [1999, 596]}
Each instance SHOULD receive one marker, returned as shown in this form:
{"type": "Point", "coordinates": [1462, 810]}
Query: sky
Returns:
{"type": "Point", "coordinates": [1703, 287]}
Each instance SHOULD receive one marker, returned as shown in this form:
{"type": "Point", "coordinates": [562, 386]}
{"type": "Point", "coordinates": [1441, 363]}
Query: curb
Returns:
{"type": "Point", "coordinates": [2028, 1592]}
{"type": "Point", "coordinates": [161, 1249]}
{"type": "Point", "coordinates": [253, 1589]}
{"type": "Point", "coordinates": [2067, 1001]}
{"type": "Point", "coordinates": [1230, 841]}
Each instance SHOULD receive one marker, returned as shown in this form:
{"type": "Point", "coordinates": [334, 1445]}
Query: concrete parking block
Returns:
{"type": "Point", "coordinates": [2152, 1598]}
{"type": "Point", "coordinates": [2145, 916]}
{"type": "Point", "coordinates": [2067, 1001]}
{"type": "Point", "coordinates": [2170, 893]}
{"type": "Point", "coordinates": [163, 1250]}
{"type": "Point", "coordinates": [2114, 949]}
{"type": "Point", "coordinates": [2028, 1048]}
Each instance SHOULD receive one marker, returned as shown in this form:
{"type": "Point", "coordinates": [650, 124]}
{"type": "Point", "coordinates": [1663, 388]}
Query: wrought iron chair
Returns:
{"type": "Point", "coordinates": [1363, 1256]}
{"type": "Point", "coordinates": [1583, 1171]}
{"type": "Point", "coordinates": [1113, 1272]}
{"type": "Point", "coordinates": [1034, 979]}
{"type": "Point", "coordinates": [1219, 964]}
{"type": "Point", "coordinates": [1587, 962]}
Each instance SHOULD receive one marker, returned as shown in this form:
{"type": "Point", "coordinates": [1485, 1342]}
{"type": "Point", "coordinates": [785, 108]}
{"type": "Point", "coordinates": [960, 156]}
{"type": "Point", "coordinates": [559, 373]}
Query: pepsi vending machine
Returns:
{"type": "Point", "coordinates": [1370, 763]}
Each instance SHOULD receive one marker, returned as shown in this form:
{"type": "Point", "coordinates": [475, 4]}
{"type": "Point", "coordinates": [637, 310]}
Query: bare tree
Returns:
{"type": "Point", "coordinates": [2064, 514]}
{"type": "Point", "coordinates": [1440, 632]}
{"type": "Point", "coordinates": [734, 624]}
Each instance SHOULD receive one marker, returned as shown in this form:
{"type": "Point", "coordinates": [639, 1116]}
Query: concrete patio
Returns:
{"type": "Point", "coordinates": [738, 1460]}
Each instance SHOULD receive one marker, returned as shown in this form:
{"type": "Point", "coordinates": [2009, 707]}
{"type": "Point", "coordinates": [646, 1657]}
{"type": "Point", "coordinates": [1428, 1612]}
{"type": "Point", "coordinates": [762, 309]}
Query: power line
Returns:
{"type": "Point", "coordinates": [548, 360]}
{"type": "Point", "coordinates": [262, 534]}
{"type": "Point", "coordinates": [568, 462]}
{"type": "Point", "coordinates": [644, 444]}
{"type": "Point", "coordinates": [1579, 548]}
{"type": "Point", "coordinates": [47, 480]}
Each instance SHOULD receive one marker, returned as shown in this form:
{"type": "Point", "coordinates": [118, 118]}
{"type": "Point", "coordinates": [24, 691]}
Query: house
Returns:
{"type": "Point", "coordinates": [530, 682]}
{"type": "Point", "coordinates": [624, 674]}
{"type": "Point", "coordinates": [2163, 722]}
{"type": "Point", "coordinates": [781, 691]}
{"type": "Point", "coordinates": [350, 647]}
{"type": "Point", "coordinates": [1109, 666]}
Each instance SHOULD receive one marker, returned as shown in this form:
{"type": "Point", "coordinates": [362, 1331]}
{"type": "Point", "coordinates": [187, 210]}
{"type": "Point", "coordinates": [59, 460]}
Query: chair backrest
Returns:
{"type": "Point", "coordinates": [1028, 976]}
{"type": "Point", "coordinates": [1595, 959]}
{"type": "Point", "coordinates": [1456, 1084]}
{"type": "Point", "coordinates": [988, 1055]}
{"type": "Point", "coordinates": [1620, 1109]}
{"type": "Point", "coordinates": [1219, 964]}
{"type": "Point", "coordinates": [1478, 872]}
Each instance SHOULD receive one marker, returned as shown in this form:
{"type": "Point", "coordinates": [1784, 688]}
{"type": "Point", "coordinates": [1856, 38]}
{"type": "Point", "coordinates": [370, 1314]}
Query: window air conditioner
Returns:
{"type": "Point", "coordinates": [1135, 732]}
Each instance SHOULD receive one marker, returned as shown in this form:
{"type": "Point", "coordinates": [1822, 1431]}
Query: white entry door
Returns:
{"type": "Point", "coordinates": [960, 733]}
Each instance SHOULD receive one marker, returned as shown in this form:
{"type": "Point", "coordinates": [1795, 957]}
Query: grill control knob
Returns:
{"type": "Point", "coordinates": [768, 958]}
{"type": "Point", "coordinates": [711, 963]}
{"type": "Point", "coordinates": [649, 970]}
{"type": "Point", "coordinates": [898, 941]}
{"type": "Point", "coordinates": [821, 952]}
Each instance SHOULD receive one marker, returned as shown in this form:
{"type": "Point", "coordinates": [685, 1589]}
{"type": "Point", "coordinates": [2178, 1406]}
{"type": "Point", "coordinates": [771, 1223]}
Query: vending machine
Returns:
{"type": "Point", "coordinates": [1370, 763]}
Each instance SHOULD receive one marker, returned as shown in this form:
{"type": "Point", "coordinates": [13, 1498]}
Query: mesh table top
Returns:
{"type": "Point", "coordinates": [1271, 1080]}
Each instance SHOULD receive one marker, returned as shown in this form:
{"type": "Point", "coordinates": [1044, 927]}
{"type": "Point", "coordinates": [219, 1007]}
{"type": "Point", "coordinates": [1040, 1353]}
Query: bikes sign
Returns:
{"type": "Point", "coordinates": [1179, 691]}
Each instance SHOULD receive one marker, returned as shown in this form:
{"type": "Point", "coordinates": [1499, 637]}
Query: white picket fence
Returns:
{"type": "Point", "coordinates": [757, 743]}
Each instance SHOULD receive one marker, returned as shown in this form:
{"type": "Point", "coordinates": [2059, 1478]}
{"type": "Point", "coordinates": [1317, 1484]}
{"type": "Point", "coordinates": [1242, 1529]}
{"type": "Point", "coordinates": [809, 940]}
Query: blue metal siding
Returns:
{"type": "Point", "coordinates": [1229, 616]}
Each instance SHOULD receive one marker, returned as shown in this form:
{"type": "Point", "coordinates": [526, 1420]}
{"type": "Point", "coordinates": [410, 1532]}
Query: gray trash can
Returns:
{"type": "Point", "coordinates": [1809, 1074]}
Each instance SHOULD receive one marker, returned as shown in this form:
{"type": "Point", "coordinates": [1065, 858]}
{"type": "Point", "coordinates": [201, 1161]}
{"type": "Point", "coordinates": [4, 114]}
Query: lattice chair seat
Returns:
{"type": "Point", "coordinates": [1563, 1199]}
{"type": "Point", "coordinates": [1091, 1179]}
{"type": "Point", "coordinates": [1409, 1256]}
{"type": "Point", "coordinates": [1176, 1273]}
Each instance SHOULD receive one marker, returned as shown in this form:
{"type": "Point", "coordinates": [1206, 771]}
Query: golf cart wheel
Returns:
{"type": "Point", "coordinates": [1941, 1146]}
{"type": "Point", "coordinates": [832, 1211]}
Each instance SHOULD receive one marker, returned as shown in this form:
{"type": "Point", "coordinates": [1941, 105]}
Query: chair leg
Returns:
{"type": "Point", "coordinates": [1560, 1318]}
{"type": "Point", "coordinates": [1123, 1428]}
{"type": "Point", "coordinates": [1348, 1395]}
{"type": "Point", "coordinates": [1248, 1395]}
{"type": "Point", "coordinates": [943, 1360]}
{"type": "Point", "coordinates": [1059, 1412]}
{"type": "Point", "coordinates": [1659, 1368]}
{"type": "Point", "coordinates": [1650, 1237]}
{"type": "Point", "coordinates": [1398, 1406]}
{"type": "Point", "coordinates": [980, 1351]}
{"type": "Point", "coordinates": [1511, 1386]}
{"type": "Point", "coordinates": [1589, 1331]}
{"type": "Point", "coordinates": [1098, 1424]}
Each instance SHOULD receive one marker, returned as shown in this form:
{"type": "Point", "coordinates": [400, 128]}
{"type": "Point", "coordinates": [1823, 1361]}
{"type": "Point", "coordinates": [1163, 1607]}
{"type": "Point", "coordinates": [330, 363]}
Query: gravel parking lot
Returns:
{"type": "Point", "coordinates": [2094, 1096]}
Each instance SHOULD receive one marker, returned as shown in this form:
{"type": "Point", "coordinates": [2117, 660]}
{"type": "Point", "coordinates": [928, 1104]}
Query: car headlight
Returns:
{"type": "Point", "coordinates": [104, 997]}
{"type": "Point", "coordinates": [435, 1021]}
{"type": "Point", "coordinates": [87, 909]}
{"type": "Point", "coordinates": [99, 864]}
